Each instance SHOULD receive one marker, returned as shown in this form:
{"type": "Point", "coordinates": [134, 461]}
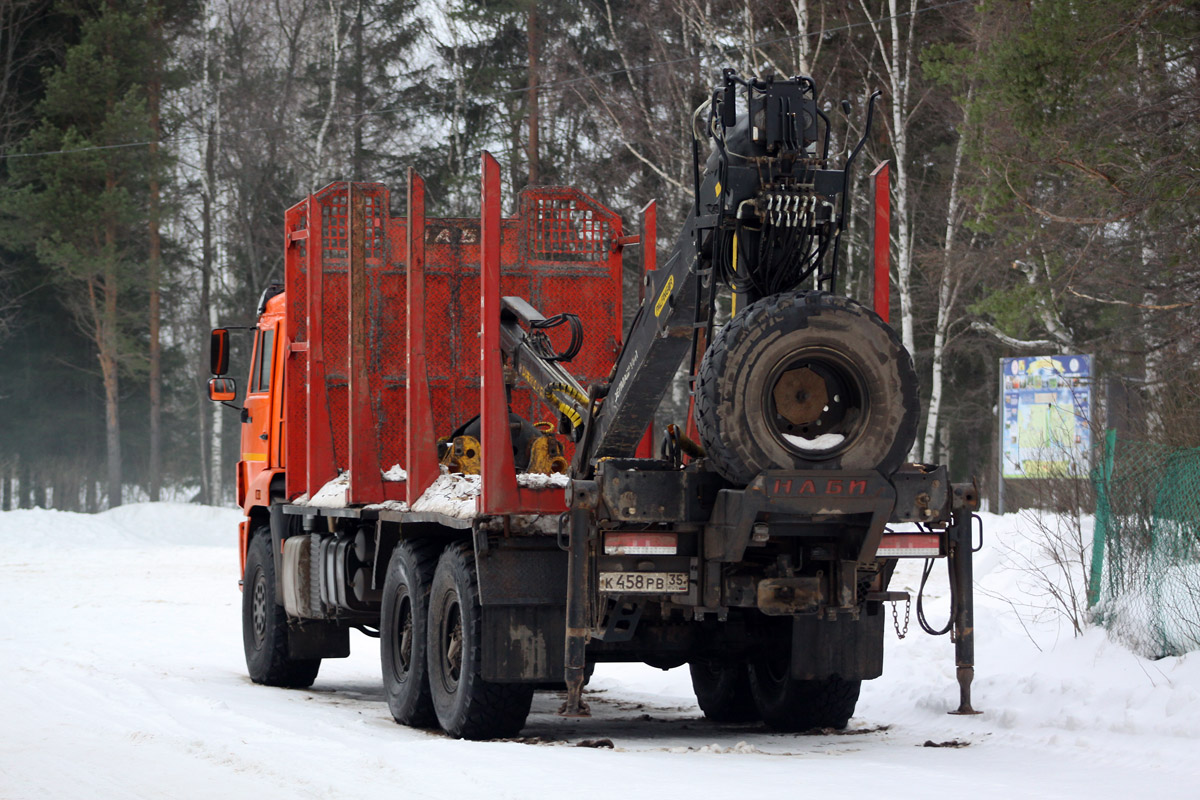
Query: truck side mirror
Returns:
{"type": "Point", "coordinates": [222, 390]}
{"type": "Point", "coordinates": [218, 354]}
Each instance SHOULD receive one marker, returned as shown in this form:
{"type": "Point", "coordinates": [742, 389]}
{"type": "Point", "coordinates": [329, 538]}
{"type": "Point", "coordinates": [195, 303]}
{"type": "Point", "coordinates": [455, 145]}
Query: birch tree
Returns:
{"type": "Point", "coordinates": [894, 38]}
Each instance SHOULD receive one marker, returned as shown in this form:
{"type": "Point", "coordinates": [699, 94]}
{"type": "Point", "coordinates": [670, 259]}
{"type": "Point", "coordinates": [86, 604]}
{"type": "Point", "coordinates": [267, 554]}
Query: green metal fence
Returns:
{"type": "Point", "coordinates": [1145, 575]}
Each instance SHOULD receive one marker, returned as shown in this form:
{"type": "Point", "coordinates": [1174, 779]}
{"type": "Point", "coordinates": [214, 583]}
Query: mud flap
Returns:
{"type": "Point", "coordinates": [852, 649]}
{"type": "Point", "coordinates": [279, 525]}
{"type": "Point", "coordinates": [523, 644]}
{"type": "Point", "coordinates": [311, 639]}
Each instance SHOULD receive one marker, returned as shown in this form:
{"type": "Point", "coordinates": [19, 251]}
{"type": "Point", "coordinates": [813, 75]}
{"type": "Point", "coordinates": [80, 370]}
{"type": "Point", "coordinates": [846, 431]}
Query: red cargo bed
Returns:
{"type": "Point", "coordinates": [349, 304]}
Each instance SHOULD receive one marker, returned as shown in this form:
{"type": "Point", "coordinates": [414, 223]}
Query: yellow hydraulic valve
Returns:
{"type": "Point", "coordinates": [462, 455]}
{"type": "Point", "coordinates": [545, 454]}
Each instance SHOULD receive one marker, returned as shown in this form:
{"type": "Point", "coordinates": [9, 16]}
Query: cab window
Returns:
{"type": "Point", "coordinates": [252, 386]}
{"type": "Point", "coordinates": [262, 367]}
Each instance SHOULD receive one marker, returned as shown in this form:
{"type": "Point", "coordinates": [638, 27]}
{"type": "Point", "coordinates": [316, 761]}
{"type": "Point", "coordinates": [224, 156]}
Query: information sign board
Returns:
{"type": "Point", "coordinates": [1045, 425]}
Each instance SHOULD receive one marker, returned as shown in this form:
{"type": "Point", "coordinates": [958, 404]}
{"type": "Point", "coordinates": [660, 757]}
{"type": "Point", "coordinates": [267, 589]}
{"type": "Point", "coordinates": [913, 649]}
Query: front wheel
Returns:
{"type": "Point", "coordinates": [264, 623]}
{"type": "Point", "coordinates": [467, 706]}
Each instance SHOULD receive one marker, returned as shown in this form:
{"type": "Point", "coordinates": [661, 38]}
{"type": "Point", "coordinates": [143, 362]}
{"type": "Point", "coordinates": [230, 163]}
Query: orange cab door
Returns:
{"type": "Point", "coordinates": [256, 418]}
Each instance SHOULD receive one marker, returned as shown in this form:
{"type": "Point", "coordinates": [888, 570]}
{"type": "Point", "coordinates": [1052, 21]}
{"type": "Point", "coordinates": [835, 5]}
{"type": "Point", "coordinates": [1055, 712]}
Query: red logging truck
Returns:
{"type": "Point", "coordinates": [429, 458]}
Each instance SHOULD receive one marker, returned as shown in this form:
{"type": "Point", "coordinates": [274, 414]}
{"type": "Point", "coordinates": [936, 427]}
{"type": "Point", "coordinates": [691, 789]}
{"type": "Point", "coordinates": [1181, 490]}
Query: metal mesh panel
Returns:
{"type": "Point", "coordinates": [376, 237]}
{"type": "Point", "coordinates": [335, 235]}
{"type": "Point", "coordinates": [560, 259]}
{"type": "Point", "coordinates": [574, 267]}
{"type": "Point", "coordinates": [1147, 533]}
{"type": "Point", "coordinates": [336, 337]}
{"type": "Point", "coordinates": [565, 225]}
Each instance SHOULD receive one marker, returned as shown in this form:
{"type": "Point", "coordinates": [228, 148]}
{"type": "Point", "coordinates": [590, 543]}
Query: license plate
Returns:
{"type": "Point", "coordinates": [643, 582]}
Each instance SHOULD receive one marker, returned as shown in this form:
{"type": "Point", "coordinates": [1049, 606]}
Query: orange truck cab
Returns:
{"type": "Point", "coordinates": [262, 457]}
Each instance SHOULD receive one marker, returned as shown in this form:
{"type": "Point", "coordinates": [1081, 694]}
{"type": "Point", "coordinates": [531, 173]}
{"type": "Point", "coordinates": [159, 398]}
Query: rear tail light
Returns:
{"type": "Point", "coordinates": [640, 544]}
{"type": "Point", "coordinates": [909, 545]}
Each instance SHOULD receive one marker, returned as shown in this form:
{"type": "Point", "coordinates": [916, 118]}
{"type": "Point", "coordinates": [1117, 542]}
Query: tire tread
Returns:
{"type": "Point", "coordinates": [425, 552]}
{"type": "Point", "coordinates": [279, 669]}
{"type": "Point", "coordinates": [490, 710]}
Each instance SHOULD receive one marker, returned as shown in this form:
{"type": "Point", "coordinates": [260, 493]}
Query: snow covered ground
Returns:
{"type": "Point", "coordinates": [123, 677]}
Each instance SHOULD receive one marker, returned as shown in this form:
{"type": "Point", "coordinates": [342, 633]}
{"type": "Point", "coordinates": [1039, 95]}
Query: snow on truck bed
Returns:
{"type": "Point", "coordinates": [123, 677]}
{"type": "Point", "coordinates": [451, 493]}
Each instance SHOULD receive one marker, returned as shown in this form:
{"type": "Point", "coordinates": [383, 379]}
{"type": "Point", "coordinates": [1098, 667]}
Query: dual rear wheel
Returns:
{"type": "Point", "coordinates": [763, 689]}
{"type": "Point", "coordinates": [432, 650]}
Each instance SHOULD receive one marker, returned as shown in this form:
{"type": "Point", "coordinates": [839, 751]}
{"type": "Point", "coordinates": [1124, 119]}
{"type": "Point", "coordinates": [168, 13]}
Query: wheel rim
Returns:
{"type": "Point", "coordinates": [812, 394]}
{"type": "Point", "coordinates": [402, 639]}
{"type": "Point", "coordinates": [452, 644]}
{"type": "Point", "coordinates": [258, 608]}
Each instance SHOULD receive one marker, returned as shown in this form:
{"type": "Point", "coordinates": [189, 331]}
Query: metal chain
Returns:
{"type": "Point", "coordinates": [900, 634]}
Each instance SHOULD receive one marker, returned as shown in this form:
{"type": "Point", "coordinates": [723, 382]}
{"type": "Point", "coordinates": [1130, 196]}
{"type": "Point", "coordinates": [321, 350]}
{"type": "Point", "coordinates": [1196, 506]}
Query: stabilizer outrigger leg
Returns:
{"type": "Point", "coordinates": [962, 574]}
{"type": "Point", "coordinates": [577, 617]}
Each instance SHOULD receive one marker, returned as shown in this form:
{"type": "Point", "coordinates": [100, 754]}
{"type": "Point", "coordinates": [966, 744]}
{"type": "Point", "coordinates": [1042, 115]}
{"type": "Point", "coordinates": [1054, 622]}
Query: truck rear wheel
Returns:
{"type": "Point", "coordinates": [806, 380]}
{"type": "Point", "coordinates": [265, 625]}
{"type": "Point", "coordinates": [792, 704]}
{"type": "Point", "coordinates": [467, 706]}
{"type": "Point", "coordinates": [402, 633]}
{"type": "Point", "coordinates": [723, 690]}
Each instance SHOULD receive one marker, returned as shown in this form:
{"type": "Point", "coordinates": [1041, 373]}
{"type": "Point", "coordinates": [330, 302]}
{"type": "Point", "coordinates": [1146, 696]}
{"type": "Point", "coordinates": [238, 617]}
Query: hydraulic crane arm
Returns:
{"type": "Point", "coordinates": [766, 214]}
{"type": "Point", "coordinates": [531, 356]}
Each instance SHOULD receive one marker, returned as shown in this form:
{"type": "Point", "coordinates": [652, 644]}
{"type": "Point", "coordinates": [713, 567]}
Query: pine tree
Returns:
{"type": "Point", "coordinates": [79, 208]}
{"type": "Point", "coordinates": [1088, 115]}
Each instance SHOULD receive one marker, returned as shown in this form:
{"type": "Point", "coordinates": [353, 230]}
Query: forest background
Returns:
{"type": "Point", "coordinates": [1045, 187]}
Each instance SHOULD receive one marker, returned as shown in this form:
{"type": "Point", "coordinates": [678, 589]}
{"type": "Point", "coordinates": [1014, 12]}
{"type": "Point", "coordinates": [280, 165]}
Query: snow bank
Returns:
{"type": "Point", "coordinates": [134, 525]}
{"type": "Point", "coordinates": [1036, 680]}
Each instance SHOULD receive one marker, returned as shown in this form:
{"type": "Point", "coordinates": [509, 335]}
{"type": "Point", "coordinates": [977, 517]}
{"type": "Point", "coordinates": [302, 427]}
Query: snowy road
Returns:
{"type": "Point", "coordinates": [124, 678]}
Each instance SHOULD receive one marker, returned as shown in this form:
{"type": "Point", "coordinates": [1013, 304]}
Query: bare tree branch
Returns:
{"type": "Point", "coordinates": [1012, 341]}
{"type": "Point", "coordinates": [1145, 306]}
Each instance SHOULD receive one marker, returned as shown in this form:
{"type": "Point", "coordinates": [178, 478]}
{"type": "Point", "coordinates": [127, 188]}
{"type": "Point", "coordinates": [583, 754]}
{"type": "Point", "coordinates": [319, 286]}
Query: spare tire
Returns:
{"type": "Point", "coordinates": [806, 380]}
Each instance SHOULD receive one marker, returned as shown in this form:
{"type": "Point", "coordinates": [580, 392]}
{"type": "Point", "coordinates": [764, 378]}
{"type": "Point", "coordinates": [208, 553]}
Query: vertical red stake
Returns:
{"type": "Point", "coordinates": [883, 241]}
{"type": "Point", "coordinates": [499, 492]}
{"type": "Point", "coordinates": [649, 243]}
{"type": "Point", "coordinates": [649, 240]}
{"type": "Point", "coordinates": [294, 453]}
{"type": "Point", "coordinates": [319, 458]}
{"type": "Point", "coordinates": [421, 449]}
